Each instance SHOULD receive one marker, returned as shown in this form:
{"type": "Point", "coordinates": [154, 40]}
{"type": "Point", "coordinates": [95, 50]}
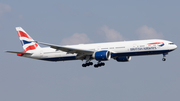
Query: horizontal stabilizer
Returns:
{"type": "Point", "coordinates": [19, 52]}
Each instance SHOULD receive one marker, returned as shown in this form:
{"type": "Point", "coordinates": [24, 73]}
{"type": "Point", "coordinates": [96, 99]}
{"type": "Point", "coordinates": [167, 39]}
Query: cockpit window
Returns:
{"type": "Point", "coordinates": [171, 43]}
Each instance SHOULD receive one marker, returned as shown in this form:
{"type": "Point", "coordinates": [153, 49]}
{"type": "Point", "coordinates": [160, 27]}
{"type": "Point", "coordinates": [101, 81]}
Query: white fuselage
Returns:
{"type": "Point", "coordinates": [117, 49]}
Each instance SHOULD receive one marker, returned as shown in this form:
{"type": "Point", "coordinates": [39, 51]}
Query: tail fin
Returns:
{"type": "Point", "coordinates": [26, 40]}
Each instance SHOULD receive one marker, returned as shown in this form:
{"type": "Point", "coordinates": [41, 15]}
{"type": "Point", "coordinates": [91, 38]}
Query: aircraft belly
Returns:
{"type": "Point", "coordinates": [60, 58]}
{"type": "Point", "coordinates": [55, 56]}
{"type": "Point", "coordinates": [139, 53]}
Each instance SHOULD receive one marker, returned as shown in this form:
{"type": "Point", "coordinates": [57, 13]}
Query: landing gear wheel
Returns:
{"type": "Point", "coordinates": [99, 64]}
{"type": "Point", "coordinates": [87, 64]}
{"type": "Point", "coordinates": [164, 59]}
{"type": "Point", "coordinates": [96, 66]}
{"type": "Point", "coordinates": [83, 65]}
{"type": "Point", "coordinates": [91, 63]}
{"type": "Point", "coordinates": [102, 64]}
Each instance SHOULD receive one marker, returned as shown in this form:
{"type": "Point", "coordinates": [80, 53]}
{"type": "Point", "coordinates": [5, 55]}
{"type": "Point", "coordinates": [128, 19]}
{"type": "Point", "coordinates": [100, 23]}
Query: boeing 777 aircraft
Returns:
{"type": "Point", "coordinates": [119, 51]}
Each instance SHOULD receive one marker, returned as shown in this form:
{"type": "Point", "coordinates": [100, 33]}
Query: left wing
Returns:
{"type": "Point", "coordinates": [80, 52]}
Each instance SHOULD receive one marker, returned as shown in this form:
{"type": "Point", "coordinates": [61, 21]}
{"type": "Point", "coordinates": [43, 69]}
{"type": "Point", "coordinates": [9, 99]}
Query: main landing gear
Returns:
{"type": "Point", "coordinates": [164, 55]}
{"type": "Point", "coordinates": [99, 64]}
{"type": "Point", "coordinates": [87, 64]}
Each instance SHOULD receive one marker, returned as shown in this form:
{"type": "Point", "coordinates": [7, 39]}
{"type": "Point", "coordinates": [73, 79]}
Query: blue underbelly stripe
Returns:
{"type": "Point", "coordinates": [60, 58]}
{"type": "Point", "coordinates": [140, 53]}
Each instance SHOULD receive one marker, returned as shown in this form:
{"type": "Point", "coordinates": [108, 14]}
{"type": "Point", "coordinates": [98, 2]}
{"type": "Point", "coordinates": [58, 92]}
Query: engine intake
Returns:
{"type": "Point", "coordinates": [102, 55]}
{"type": "Point", "coordinates": [123, 59]}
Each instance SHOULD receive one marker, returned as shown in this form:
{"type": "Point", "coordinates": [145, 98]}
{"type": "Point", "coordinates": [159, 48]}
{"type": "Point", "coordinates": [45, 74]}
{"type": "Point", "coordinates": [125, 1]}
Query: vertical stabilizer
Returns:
{"type": "Point", "coordinates": [26, 40]}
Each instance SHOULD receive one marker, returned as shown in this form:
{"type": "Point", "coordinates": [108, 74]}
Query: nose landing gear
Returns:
{"type": "Point", "coordinates": [164, 59]}
{"type": "Point", "coordinates": [164, 55]}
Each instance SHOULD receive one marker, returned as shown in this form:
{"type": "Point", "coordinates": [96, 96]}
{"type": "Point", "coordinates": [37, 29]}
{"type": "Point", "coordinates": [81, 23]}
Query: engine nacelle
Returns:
{"type": "Point", "coordinates": [123, 59]}
{"type": "Point", "coordinates": [102, 55]}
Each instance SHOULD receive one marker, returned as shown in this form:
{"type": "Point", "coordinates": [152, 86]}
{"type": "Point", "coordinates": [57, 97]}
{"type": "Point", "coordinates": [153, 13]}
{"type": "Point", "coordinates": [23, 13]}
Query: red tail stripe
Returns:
{"type": "Point", "coordinates": [36, 44]}
{"type": "Point", "coordinates": [22, 34]}
{"type": "Point", "coordinates": [32, 47]}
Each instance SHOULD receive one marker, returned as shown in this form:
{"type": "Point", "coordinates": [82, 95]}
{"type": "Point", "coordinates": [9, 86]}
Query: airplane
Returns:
{"type": "Point", "coordinates": [119, 51]}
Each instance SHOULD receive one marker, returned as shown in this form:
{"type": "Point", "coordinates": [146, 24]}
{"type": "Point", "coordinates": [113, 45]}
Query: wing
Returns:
{"type": "Point", "coordinates": [80, 52]}
{"type": "Point", "coordinates": [19, 52]}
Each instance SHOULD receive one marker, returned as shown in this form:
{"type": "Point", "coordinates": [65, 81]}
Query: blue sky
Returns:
{"type": "Point", "coordinates": [81, 21]}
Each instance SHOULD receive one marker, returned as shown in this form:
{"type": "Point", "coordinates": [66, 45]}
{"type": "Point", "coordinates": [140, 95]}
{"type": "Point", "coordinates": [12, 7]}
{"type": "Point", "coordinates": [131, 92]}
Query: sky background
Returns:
{"type": "Point", "coordinates": [144, 78]}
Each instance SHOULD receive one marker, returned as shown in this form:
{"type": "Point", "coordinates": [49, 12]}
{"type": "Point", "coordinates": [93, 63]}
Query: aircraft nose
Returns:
{"type": "Point", "coordinates": [175, 47]}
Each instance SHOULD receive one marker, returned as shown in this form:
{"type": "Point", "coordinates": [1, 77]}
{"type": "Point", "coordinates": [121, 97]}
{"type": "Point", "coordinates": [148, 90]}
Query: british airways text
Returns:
{"type": "Point", "coordinates": [144, 48]}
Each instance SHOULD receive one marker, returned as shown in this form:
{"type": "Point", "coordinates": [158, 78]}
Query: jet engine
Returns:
{"type": "Point", "coordinates": [102, 55]}
{"type": "Point", "coordinates": [123, 59]}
